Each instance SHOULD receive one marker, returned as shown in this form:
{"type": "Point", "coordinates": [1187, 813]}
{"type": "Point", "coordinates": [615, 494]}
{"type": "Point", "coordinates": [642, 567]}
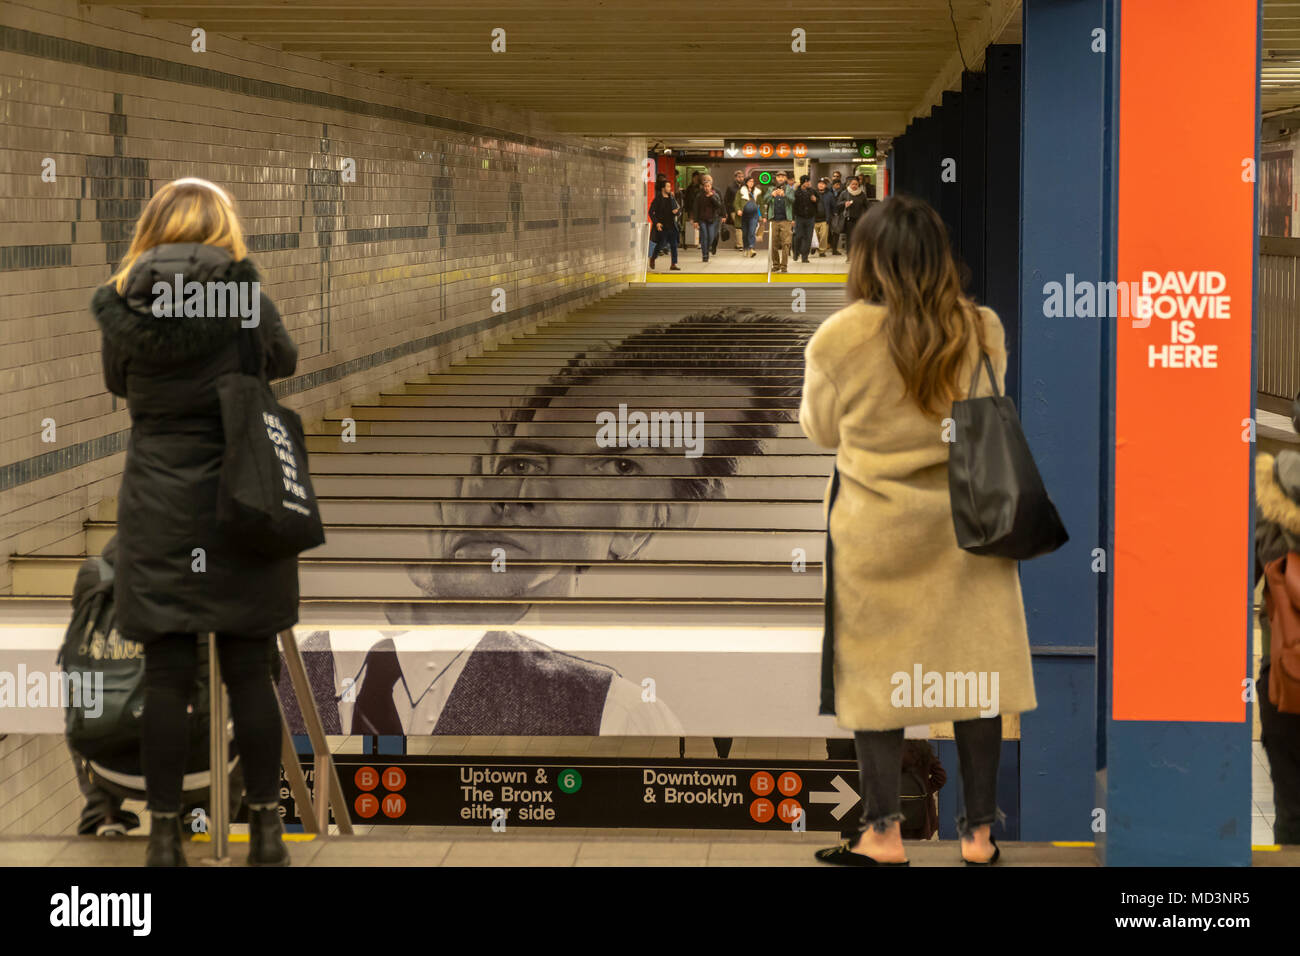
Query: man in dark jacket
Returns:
{"type": "Point", "coordinates": [780, 214]}
{"type": "Point", "coordinates": [688, 208]}
{"type": "Point", "coordinates": [834, 213]}
{"type": "Point", "coordinates": [709, 213]}
{"type": "Point", "coordinates": [663, 223]}
{"type": "Point", "coordinates": [806, 203]}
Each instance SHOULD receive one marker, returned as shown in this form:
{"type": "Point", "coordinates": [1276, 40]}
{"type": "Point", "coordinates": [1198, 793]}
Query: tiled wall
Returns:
{"type": "Point", "coordinates": [374, 278]}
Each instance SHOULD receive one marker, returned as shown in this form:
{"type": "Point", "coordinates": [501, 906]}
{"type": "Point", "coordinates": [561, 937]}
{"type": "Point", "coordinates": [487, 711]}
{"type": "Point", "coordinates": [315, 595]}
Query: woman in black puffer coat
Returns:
{"type": "Point", "coordinates": [177, 576]}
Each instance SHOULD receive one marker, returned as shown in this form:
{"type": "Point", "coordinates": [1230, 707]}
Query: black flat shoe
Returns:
{"type": "Point", "coordinates": [842, 856]}
{"type": "Point", "coordinates": [997, 852]}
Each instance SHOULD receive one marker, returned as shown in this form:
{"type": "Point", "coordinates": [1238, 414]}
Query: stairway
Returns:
{"type": "Point", "coordinates": [482, 498]}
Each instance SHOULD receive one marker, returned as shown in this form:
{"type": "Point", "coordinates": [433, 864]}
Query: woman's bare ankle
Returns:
{"type": "Point", "coordinates": [977, 846]}
{"type": "Point", "coordinates": [886, 847]}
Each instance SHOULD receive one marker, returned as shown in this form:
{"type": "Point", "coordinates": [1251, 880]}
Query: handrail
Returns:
{"type": "Point", "coordinates": [328, 789]}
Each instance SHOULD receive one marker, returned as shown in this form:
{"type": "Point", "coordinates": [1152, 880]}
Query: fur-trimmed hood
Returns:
{"type": "Point", "coordinates": [128, 321]}
{"type": "Point", "coordinates": [1277, 490]}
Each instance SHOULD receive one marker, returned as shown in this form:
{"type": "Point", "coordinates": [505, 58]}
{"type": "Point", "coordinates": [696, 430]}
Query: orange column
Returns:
{"type": "Point", "coordinates": [1183, 391]}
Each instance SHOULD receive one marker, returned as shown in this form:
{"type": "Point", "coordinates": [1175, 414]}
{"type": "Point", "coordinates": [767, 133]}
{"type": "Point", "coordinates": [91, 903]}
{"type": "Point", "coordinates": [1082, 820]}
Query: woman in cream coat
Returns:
{"type": "Point", "coordinates": [918, 630]}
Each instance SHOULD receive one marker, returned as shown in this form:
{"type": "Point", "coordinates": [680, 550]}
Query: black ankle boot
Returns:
{"type": "Point", "coordinates": [166, 842]}
{"type": "Point", "coordinates": [266, 838]}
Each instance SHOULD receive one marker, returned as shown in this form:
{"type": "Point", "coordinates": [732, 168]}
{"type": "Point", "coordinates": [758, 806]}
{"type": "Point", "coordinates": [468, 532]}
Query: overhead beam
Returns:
{"type": "Point", "coordinates": [997, 15]}
{"type": "Point", "coordinates": [723, 123]}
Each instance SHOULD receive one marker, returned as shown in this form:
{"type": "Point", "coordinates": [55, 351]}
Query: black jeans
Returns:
{"type": "Point", "coordinates": [848, 232]}
{"type": "Point", "coordinates": [880, 767]}
{"type": "Point", "coordinates": [666, 238]}
{"type": "Point", "coordinates": [803, 233]}
{"type": "Point", "coordinates": [1280, 735]}
{"type": "Point", "coordinates": [170, 663]}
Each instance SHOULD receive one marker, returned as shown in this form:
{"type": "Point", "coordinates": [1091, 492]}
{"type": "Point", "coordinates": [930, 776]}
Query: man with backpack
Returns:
{"type": "Point", "coordinates": [92, 618]}
{"type": "Point", "coordinates": [104, 739]}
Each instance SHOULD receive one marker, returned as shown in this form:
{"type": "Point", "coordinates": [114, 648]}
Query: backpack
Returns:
{"type": "Point", "coordinates": [1280, 602]}
{"type": "Point", "coordinates": [104, 672]}
{"type": "Point", "coordinates": [106, 725]}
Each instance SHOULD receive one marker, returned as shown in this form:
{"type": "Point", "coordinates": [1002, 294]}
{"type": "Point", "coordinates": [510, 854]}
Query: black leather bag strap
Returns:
{"type": "Point", "coordinates": [987, 366]}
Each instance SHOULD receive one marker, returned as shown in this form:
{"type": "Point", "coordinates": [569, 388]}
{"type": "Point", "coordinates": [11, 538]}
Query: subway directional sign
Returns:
{"type": "Point", "coordinates": [795, 148]}
{"type": "Point", "coordinates": [595, 792]}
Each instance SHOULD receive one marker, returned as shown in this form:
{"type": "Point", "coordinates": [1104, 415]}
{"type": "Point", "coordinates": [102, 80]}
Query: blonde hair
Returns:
{"type": "Point", "coordinates": [900, 258]}
{"type": "Point", "coordinates": [187, 210]}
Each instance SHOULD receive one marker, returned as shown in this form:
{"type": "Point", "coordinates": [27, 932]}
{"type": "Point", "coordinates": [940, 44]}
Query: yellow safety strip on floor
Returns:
{"type": "Point", "coordinates": [1078, 843]}
{"type": "Point", "coordinates": [243, 837]}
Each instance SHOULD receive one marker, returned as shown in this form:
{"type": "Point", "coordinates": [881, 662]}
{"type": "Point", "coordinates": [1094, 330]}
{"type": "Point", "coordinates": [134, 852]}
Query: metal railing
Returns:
{"type": "Point", "coordinates": [1277, 346]}
{"type": "Point", "coordinates": [328, 793]}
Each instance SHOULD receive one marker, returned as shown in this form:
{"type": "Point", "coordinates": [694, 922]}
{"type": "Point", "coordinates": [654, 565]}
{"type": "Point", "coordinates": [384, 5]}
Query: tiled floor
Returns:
{"type": "Point", "coordinates": [1261, 793]}
{"type": "Point", "coordinates": [566, 848]}
{"type": "Point", "coordinates": [39, 805]}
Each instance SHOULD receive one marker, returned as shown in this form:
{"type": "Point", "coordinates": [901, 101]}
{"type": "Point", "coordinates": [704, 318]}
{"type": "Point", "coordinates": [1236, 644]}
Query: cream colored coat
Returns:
{"type": "Point", "coordinates": [905, 595]}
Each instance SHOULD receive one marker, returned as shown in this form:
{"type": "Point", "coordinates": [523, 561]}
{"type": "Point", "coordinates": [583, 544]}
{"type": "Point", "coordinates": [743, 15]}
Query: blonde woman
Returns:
{"type": "Point", "coordinates": [902, 598]}
{"type": "Point", "coordinates": [177, 576]}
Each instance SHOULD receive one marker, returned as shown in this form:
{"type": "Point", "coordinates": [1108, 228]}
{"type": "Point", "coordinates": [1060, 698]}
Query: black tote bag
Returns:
{"type": "Point", "coordinates": [265, 501]}
{"type": "Point", "coordinates": [999, 505]}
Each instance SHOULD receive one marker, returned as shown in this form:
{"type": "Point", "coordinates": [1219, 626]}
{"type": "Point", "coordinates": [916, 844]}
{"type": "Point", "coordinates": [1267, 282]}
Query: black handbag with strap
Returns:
{"type": "Point", "coordinates": [1000, 507]}
{"type": "Point", "coordinates": [265, 501]}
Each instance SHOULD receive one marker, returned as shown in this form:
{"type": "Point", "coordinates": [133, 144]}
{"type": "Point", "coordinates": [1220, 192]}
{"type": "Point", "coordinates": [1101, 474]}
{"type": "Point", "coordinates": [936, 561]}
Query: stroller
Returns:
{"type": "Point", "coordinates": [105, 746]}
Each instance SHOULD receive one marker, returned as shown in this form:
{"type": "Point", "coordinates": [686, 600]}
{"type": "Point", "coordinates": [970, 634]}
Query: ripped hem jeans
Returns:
{"type": "Point", "coordinates": [880, 770]}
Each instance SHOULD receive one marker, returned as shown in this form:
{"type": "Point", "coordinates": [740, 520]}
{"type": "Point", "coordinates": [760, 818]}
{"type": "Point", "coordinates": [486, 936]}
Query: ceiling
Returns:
{"type": "Point", "coordinates": [666, 68]}
{"type": "Point", "coordinates": [1280, 67]}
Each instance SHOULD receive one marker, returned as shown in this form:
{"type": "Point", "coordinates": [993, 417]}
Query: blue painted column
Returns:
{"type": "Point", "coordinates": [1066, 137]}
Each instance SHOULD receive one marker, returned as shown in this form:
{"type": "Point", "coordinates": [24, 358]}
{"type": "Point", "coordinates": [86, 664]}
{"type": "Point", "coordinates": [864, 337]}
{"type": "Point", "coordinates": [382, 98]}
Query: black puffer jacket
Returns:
{"type": "Point", "coordinates": [167, 370]}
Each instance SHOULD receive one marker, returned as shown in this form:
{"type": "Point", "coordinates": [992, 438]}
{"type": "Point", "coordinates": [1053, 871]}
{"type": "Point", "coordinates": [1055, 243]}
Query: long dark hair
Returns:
{"type": "Point", "coordinates": [900, 258]}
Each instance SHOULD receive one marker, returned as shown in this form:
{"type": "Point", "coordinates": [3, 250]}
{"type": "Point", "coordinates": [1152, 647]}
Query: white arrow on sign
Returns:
{"type": "Point", "coordinates": [843, 795]}
{"type": "Point", "coordinates": [732, 151]}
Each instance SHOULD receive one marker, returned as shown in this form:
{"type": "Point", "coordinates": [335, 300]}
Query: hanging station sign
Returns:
{"type": "Point", "coordinates": [842, 150]}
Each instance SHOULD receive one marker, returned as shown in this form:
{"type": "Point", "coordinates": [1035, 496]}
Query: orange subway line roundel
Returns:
{"type": "Point", "coordinates": [1183, 359]}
